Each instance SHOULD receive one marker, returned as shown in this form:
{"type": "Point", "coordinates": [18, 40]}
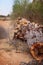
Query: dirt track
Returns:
{"type": "Point", "coordinates": [10, 57]}
{"type": "Point", "coordinates": [5, 24]}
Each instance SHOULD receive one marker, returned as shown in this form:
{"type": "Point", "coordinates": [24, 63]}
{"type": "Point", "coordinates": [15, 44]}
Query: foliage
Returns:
{"type": "Point", "coordinates": [19, 8]}
{"type": "Point", "coordinates": [32, 11]}
{"type": "Point", "coordinates": [37, 8]}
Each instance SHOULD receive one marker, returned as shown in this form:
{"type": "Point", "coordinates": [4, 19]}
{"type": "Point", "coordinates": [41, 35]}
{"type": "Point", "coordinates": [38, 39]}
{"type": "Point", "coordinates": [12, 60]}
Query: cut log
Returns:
{"type": "Point", "coordinates": [37, 51]}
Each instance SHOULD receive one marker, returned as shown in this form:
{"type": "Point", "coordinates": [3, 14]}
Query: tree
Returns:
{"type": "Point", "coordinates": [31, 11]}
{"type": "Point", "coordinates": [35, 11]}
{"type": "Point", "coordinates": [37, 8]}
{"type": "Point", "coordinates": [19, 8]}
{"type": "Point", "coordinates": [37, 0]}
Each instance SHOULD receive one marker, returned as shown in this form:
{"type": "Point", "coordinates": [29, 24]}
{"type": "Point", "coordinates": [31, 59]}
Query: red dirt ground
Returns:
{"type": "Point", "coordinates": [11, 58]}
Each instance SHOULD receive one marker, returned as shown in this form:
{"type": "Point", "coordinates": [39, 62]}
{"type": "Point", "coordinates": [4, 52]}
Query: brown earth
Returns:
{"type": "Point", "coordinates": [11, 57]}
{"type": "Point", "coordinates": [5, 24]}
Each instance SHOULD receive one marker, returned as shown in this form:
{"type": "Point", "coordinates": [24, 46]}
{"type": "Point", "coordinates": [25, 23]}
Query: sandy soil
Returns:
{"type": "Point", "coordinates": [5, 24]}
{"type": "Point", "coordinates": [8, 56]}
{"type": "Point", "coordinates": [11, 57]}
